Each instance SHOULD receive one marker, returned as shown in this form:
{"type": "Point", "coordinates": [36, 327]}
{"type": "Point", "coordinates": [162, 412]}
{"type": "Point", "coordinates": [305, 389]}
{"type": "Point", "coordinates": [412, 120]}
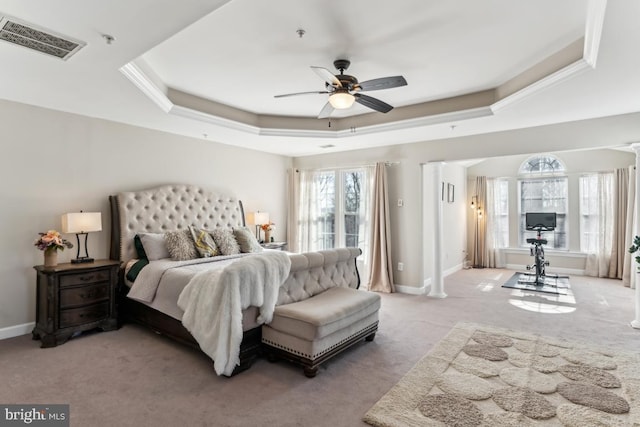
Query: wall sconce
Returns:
{"type": "Point", "coordinates": [81, 223]}
{"type": "Point", "coordinates": [260, 218]}
{"type": "Point", "coordinates": [476, 206]}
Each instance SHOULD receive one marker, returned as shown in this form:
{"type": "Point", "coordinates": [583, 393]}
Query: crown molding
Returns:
{"type": "Point", "coordinates": [146, 85]}
{"type": "Point", "coordinates": [557, 68]}
{"type": "Point", "coordinates": [190, 113]}
{"type": "Point", "coordinates": [593, 30]}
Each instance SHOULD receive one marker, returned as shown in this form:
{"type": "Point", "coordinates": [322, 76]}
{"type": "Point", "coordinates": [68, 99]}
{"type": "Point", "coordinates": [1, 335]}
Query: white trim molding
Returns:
{"type": "Point", "coordinates": [414, 290]}
{"type": "Point", "coordinates": [146, 85]}
{"type": "Point", "coordinates": [16, 330]}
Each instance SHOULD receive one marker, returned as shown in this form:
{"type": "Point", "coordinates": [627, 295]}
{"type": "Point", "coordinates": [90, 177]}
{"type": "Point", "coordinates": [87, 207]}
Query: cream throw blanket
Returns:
{"type": "Point", "coordinates": [213, 302]}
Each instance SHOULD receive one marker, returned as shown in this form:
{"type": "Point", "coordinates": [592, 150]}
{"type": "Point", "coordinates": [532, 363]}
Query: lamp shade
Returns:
{"type": "Point", "coordinates": [341, 100]}
{"type": "Point", "coordinates": [81, 222]}
{"type": "Point", "coordinates": [261, 218]}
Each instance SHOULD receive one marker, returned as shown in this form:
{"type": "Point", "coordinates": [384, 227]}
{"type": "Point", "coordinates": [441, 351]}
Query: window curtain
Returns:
{"type": "Point", "coordinates": [479, 249]}
{"type": "Point", "coordinates": [629, 265]}
{"type": "Point", "coordinates": [380, 264]}
{"type": "Point", "coordinates": [496, 229]}
{"type": "Point", "coordinates": [619, 238]}
{"type": "Point", "coordinates": [307, 218]}
{"type": "Point", "coordinates": [293, 194]}
{"type": "Point", "coordinates": [600, 249]}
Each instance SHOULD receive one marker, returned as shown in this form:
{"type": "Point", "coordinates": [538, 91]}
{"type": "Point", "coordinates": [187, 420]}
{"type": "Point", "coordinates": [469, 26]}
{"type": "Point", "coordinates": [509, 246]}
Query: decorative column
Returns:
{"type": "Point", "coordinates": [437, 280]}
{"type": "Point", "coordinates": [636, 147]}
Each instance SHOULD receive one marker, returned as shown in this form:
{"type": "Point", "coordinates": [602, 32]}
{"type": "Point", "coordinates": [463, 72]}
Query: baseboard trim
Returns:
{"type": "Point", "coordinates": [452, 270]}
{"type": "Point", "coordinates": [555, 270]}
{"type": "Point", "coordinates": [17, 330]}
{"type": "Point", "coordinates": [415, 290]}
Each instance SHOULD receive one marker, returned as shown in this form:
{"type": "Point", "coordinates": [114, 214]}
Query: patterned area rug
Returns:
{"type": "Point", "coordinates": [526, 281]}
{"type": "Point", "coordinates": [485, 376]}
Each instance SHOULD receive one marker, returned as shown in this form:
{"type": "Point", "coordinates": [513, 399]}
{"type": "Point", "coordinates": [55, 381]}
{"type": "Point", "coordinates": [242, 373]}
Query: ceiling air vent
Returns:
{"type": "Point", "coordinates": [38, 39]}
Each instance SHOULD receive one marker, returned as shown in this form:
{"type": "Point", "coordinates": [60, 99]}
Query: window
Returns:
{"type": "Point", "coordinates": [334, 208]}
{"type": "Point", "coordinates": [543, 187]}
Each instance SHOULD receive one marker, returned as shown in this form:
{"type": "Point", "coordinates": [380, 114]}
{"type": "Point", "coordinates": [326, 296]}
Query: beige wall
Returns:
{"type": "Point", "coordinates": [405, 178]}
{"type": "Point", "coordinates": [55, 162]}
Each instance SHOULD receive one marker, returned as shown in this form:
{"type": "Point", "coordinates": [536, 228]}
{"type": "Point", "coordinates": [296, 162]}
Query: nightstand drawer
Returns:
{"type": "Point", "coordinates": [82, 315]}
{"type": "Point", "coordinates": [84, 278]}
{"type": "Point", "coordinates": [84, 295]}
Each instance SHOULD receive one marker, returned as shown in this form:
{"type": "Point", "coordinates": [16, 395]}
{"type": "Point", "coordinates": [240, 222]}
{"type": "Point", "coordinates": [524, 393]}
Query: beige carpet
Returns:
{"type": "Point", "coordinates": [486, 376]}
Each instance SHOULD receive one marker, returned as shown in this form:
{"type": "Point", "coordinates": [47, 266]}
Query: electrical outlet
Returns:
{"type": "Point", "coordinates": [400, 203]}
{"type": "Point", "coordinates": [400, 266]}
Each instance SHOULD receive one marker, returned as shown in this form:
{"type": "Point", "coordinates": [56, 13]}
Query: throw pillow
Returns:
{"type": "Point", "coordinates": [141, 262]}
{"type": "Point", "coordinates": [247, 241]}
{"type": "Point", "coordinates": [226, 241]}
{"type": "Point", "coordinates": [135, 269]}
{"type": "Point", "coordinates": [154, 246]}
{"type": "Point", "coordinates": [205, 245]}
{"type": "Point", "coordinates": [180, 245]}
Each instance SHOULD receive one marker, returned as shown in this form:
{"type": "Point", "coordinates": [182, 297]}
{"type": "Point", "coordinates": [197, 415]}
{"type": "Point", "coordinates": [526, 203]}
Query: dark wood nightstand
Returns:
{"type": "Point", "coordinates": [274, 245]}
{"type": "Point", "coordinates": [72, 298]}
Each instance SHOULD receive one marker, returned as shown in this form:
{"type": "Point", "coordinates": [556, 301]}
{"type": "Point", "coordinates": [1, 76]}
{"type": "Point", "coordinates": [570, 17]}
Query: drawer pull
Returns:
{"type": "Point", "coordinates": [86, 278]}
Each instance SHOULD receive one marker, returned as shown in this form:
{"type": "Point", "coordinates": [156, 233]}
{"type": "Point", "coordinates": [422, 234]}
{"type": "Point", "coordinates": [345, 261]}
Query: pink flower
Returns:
{"type": "Point", "coordinates": [51, 241]}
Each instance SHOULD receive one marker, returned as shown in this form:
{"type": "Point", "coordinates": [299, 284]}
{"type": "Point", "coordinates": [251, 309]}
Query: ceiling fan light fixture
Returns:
{"type": "Point", "coordinates": [341, 100]}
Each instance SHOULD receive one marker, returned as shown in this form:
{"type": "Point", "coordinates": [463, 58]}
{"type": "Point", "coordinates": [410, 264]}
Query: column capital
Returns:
{"type": "Point", "coordinates": [635, 147]}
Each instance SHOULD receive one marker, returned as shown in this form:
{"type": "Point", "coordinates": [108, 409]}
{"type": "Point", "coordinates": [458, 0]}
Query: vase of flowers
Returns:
{"type": "Point", "coordinates": [268, 228]}
{"type": "Point", "coordinates": [50, 242]}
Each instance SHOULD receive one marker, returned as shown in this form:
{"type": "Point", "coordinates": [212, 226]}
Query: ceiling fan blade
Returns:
{"type": "Point", "coordinates": [373, 103]}
{"type": "Point", "coordinates": [326, 111]}
{"type": "Point", "coordinates": [327, 76]}
{"type": "Point", "coordinates": [383, 83]}
{"type": "Point", "coordinates": [298, 93]}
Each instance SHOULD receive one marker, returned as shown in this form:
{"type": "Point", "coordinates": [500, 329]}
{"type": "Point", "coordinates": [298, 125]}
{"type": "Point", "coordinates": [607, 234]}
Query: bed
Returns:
{"type": "Point", "coordinates": [176, 207]}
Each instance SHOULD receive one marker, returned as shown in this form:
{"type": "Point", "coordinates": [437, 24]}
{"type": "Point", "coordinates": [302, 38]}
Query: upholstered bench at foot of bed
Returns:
{"type": "Point", "coordinates": [313, 330]}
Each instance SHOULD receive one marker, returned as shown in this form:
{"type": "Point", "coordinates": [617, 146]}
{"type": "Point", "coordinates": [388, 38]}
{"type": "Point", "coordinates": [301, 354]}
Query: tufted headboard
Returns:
{"type": "Point", "coordinates": [167, 208]}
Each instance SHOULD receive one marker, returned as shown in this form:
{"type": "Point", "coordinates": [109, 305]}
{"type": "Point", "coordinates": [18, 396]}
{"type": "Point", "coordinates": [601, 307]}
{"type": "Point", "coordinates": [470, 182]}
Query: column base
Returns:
{"type": "Point", "coordinates": [437, 295]}
{"type": "Point", "coordinates": [635, 324]}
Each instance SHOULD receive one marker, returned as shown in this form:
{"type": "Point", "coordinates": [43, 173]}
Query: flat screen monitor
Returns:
{"type": "Point", "coordinates": [545, 221]}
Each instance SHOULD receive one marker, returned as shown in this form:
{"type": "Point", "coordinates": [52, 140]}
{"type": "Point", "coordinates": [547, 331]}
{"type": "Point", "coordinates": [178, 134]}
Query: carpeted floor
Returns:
{"type": "Point", "coordinates": [487, 376]}
{"type": "Point", "coordinates": [132, 377]}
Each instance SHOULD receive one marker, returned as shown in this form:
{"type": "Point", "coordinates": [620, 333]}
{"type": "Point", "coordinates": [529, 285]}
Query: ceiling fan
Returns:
{"type": "Point", "coordinates": [344, 89]}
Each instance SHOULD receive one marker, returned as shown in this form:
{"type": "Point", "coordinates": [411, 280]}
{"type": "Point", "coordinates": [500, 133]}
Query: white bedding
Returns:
{"type": "Point", "coordinates": [177, 273]}
{"type": "Point", "coordinates": [214, 300]}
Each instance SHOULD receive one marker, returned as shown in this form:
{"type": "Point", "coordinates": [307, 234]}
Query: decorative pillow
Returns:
{"type": "Point", "coordinates": [226, 241]}
{"type": "Point", "coordinates": [133, 272]}
{"type": "Point", "coordinates": [180, 245]}
{"type": "Point", "coordinates": [141, 262]}
{"type": "Point", "coordinates": [137, 242]}
{"type": "Point", "coordinates": [154, 246]}
{"type": "Point", "coordinates": [246, 240]}
{"type": "Point", "coordinates": [205, 245]}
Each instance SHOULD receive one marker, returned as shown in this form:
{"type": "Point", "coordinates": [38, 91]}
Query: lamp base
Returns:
{"type": "Point", "coordinates": [81, 260]}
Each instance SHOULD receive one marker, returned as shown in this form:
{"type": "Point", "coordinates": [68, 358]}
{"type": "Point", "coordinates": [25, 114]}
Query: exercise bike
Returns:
{"type": "Point", "coordinates": [539, 222]}
{"type": "Point", "coordinates": [537, 251]}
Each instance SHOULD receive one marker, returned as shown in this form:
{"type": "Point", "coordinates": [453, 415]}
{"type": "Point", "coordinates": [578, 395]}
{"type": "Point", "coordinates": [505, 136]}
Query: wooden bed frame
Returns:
{"type": "Point", "coordinates": [133, 311]}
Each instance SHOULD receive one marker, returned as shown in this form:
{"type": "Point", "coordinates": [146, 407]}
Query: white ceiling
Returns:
{"type": "Point", "coordinates": [213, 67]}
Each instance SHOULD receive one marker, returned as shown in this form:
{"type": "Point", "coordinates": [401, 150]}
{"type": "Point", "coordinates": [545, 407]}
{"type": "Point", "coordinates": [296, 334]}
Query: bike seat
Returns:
{"type": "Point", "coordinates": [535, 241]}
